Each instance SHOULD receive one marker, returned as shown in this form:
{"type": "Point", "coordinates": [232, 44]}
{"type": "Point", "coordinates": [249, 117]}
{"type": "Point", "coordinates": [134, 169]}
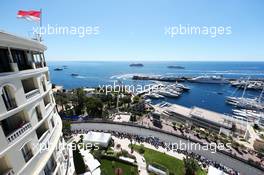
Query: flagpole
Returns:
{"type": "Point", "coordinates": [40, 24]}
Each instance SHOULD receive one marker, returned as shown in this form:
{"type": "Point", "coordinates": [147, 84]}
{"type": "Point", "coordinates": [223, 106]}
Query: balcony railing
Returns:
{"type": "Point", "coordinates": [32, 93]}
{"type": "Point", "coordinates": [39, 64]}
{"type": "Point", "coordinates": [11, 137]}
{"type": "Point", "coordinates": [44, 137]}
{"type": "Point", "coordinates": [28, 156]}
{"type": "Point", "coordinates": [47, 106]}
{"type": "Point", "coordinates": [9, 172]}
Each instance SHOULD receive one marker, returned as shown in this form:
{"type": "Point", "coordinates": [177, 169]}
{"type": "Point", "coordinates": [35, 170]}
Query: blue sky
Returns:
{"type": "Point", "coordinates": [134, 30]}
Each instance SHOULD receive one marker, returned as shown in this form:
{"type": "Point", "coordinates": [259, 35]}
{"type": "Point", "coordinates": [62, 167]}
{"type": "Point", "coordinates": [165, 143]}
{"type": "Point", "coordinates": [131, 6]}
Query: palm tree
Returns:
{"type": "Point", "coordinates": [191, 165]}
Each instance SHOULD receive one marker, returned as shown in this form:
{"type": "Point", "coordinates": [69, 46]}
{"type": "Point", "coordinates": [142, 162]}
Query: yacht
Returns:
{"type": "Point", "coordinates": [209, 79]}
{"type": "Point", "coordinates": [154, 96]}
{"type": "Point", "coordinates": [181, 86]}
{"type": "Point", "coordinates": [168, 94]}
{"type": "Point", "coordinates": [58, 69]}
{"type": "Point", "coordinates": [74, 74]}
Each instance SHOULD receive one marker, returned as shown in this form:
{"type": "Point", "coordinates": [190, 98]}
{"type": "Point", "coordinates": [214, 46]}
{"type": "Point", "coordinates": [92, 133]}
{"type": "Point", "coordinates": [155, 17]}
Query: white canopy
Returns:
{"type": "Point", "coordinates": [99, 138]}
{"type": "Point", "coordinates": [214, 171]}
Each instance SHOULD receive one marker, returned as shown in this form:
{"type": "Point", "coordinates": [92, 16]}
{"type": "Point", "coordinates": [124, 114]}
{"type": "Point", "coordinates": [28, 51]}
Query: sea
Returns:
{"type": "Point", "coordinates": [208, 96]}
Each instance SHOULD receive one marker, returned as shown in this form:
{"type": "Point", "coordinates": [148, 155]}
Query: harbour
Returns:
{"type": "Point", "coordinates": [208, 96]}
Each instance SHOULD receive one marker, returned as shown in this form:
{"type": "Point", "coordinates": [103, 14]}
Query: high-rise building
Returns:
{"type": "Point", "coordinates": [30, 127]}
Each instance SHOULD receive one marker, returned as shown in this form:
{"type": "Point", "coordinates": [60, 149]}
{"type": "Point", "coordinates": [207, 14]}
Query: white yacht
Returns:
{"type": "Point", "coordinates": [168, 94]}
{"type": "Point", "coordinates": [154, 96]}
{"type": "Point", "coordinates": [209, 79]}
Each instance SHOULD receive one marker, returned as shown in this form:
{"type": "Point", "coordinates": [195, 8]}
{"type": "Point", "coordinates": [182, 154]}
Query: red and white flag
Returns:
{"type": "Point", "coordinates": [31, 15]}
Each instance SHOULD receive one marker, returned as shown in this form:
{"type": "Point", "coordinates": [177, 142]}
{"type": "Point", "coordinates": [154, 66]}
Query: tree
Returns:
{"type": "Point", "coordinates": [136, 99]}
{"type": "Point", "coordinates": [94, 107]}
{"type": "Point", "coordinates": [126, 100]}
{"type": "Point", "coordinates": [141, 149]}
{"type": "Point", "coordinates": [79, 100]}
{"type": "Point", "coordinates": [191, 165]}
{"type": "Point", "coordinates": [66, 126]}
{"type": "Point", "coordinates": [61, 99]}
{"type": "Point", "coordinates": [78, 161]}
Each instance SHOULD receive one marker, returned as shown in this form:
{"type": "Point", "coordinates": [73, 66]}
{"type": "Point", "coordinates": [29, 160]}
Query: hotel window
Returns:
{"type": "Point", "coordinates": [46, 100]}
{"type": "Point", "coordinates": [50, 166]}
{"type": "Point", "coordinates": [8, 98]}
{"type": "Point", "coordinates": [27, 152]}
{"type": "Point", "coordinates": [43, 84]}
{"type": "Point", "coordinates": [29, 84]}
{"type": "Point", "coordinates": [4, 60]}
{"type": "Point", "coordinates": [47, 76]}
{"type": "Point", "coordinates": [52, 123]}
{"type": "Point", "coordinates": [37, 59]}
{"type": "Point", "coordinates": [5, 168]}
{"type": "Point", "coordinates": [19, 57]}
{"type": "Point", "coordinates": [42, 129]}
{"type": "Point", "coordinates": [38, 113]}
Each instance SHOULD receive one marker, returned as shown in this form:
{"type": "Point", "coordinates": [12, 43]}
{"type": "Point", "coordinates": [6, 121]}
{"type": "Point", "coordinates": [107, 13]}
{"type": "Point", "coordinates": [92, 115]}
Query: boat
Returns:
{"type": "Point", "coordinates": [74, 74]}
{"type": "Point", "coordinates": [209, 79]}
{"type": "Point", "coordinates": [246, 103]}
{"type": "Point", "coordinates": [168, 94]}
{"type": "Point", "coordinates": [136, 65]}
{"type": "Point", "coordinates": [175, 67]}
{"type": "Point", "coordinates": [181, 86]}
{"type": "Point", "coordinates": [255, 85]}
{"type": "Point", "coordinates": [154, 96]}
{"type": "Point", "coordinates": [58, 69]}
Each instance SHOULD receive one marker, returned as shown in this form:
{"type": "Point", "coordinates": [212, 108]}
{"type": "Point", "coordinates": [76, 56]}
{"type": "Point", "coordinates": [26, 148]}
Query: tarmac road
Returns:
{"type": "Point", "coordinates": [228, 161]}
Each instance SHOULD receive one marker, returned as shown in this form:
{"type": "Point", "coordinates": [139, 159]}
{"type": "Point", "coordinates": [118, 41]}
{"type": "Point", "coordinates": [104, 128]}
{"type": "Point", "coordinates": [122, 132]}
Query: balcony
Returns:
{"type": "Point", "coordinates": [9, 172]}
{"type": "Point", "coordinates": [5, 169]}
{"type": "Point", "coordinates": [18, 132]}
{"type": "Point", "coordinates": [47, 102]}
{"type": "Point", "coordinates": [4, 61]}
{"type": "Point", "coordinates": [38, 113]}
{"type": "Point", "coordinates": [30, 87]}
{"type": "Point", "coordinates": [15, 126]}
{"type": "Point", "coordinates": [27, 152]}
{"type": "Point", "coordinates": [39, 65]}
{"type": "Point", "coordinates": [11, 104]}
{"type": "Point", "coordinates": [50, 166]}
{"type": "Point", "coordinates": [32, 93]}
{"type": "Point", "coordinates": [19, 57]}
{"type": "Point", "coordinates": [42, 131]}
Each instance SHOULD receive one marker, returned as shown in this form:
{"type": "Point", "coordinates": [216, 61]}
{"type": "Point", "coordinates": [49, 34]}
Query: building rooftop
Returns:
{"type": "Point", "coordinates": [7, 39]}
{"type": "Point", "coordinates": [211, 116]}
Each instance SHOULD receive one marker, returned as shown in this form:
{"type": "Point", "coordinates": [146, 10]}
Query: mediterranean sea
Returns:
{"type": "Point", "coordinates": [208, 96]}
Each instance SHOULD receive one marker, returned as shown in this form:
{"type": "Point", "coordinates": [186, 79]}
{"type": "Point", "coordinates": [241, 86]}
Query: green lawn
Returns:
{"type": "Point", "coordinates": [173, 164]}
{"type": "Point", "coordinates": [108, 169]}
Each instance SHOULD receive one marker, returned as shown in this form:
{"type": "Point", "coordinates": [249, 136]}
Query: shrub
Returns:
{"type": "Point", "coordinates": [141, 149]}
{"type": "Point", "coordinates": [78, 162]}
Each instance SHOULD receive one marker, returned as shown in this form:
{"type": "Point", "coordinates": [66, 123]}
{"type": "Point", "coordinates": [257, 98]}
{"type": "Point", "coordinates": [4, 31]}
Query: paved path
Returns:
{"type": "Point", "coordinates": [242, 167]}
{"type": "Point", "coordinates": [140, 159]}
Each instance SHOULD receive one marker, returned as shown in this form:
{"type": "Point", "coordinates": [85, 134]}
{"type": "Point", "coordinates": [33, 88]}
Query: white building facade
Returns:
{"type": "Point", "coordinates": [28, 117]}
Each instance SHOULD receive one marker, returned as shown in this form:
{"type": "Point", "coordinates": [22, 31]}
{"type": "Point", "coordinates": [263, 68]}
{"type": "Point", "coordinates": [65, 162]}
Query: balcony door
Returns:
{"type": "Point", "coordinates": [4, 61]}
{"type": "Point", "coordinates": [8, 98]}
{"type": "Point", "coordinates": [20, 58]}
